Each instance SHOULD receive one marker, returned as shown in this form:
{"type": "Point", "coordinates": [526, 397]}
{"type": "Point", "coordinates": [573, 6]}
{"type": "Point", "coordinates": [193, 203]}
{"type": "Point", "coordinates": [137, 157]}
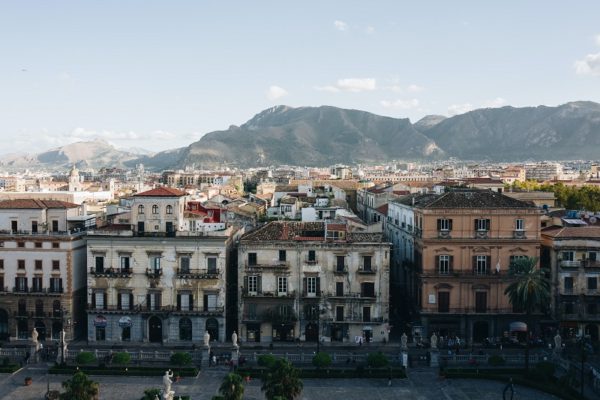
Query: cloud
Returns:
{"type": "Point", "coordinates": [329, 88]}
{"type": "Point", "coordinates": [597, 40]}
{"type": "Point", "coordinates": [589, 65]}
{"type": "Point", "coordinates": [276, 92]}
{"type": "Point", "coordinates": [356, 84]}
{"type": "Point", "coordinates": [340, 25]}
{"type": "Point", "coordinates": [369, 30]}
{"type": "Point", "coordinates": [415, 88]}
{"type": "Point", "coordinates": [400, 104]}
{"type": "Point", "coordinates": [456, 109]}
{"type": "Point", "coordinates": [494, 103]}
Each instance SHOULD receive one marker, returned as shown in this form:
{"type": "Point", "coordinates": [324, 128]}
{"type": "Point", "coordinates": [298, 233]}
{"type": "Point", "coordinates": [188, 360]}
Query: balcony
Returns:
{"type": "Point", "coordinates": [269, 294]}
{"type": "Point", "coordinates": [481, 234]}
{"type": "Point", "coordinates": [275, 265]}
{"type": "Point", "coordinates": [311, 295]}
{"type": "Point", "coordinates": [351, 296]}
{"type": "Point", "coordinates": [569, 264]}
{"type": "Point", "coordinates": [153, 272]}
{"type": "Point", "coordinates": [309, 261]}
{"type": "Point", "coordinates": [519, 234]}
{"type": "Point", "coordinates": [38, 291]}
{"type": "Point", "coordinates": [444, 234]}
{"type": "Point", "coordinates": [359, 319]}
{"type": "Point", "coordinates": [138, 308]}
{"type": "Point", "coordinates": [341, 270]}
{"type": "Point", "coordinates": [591, 264]}
{"type": "Point", "coordinates": [111, 273]}
{"type": "Point", "coordinates": [41, 233]}
{"type": "Point", "coordinates": [367, 270]}
{"type": "Point", "coordinates": [198, 273]}
{"type": "Point", "coordinates": [469, 310]}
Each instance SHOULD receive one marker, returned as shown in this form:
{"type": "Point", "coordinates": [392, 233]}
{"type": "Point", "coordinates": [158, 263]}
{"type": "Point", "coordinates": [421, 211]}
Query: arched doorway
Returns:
{"type": "Point", "coordinates": [592, 331]}
{"type": "Point", "coordinates": [312, 332]}
{"type": "Point", "coordinates": [3, 325]}
{"type": "Point", "coordinates": [480, 331]}
{"type": "Point", "coordinates": [155, 329]}
{"type": "Point", "coordinates": [212, 327]}
{"type": "Point", "coordinates": [40, 327]}
{"type": "Point", "coordinates": [56, 328]}
{"type": "Point", "coordinates": [185, 329]}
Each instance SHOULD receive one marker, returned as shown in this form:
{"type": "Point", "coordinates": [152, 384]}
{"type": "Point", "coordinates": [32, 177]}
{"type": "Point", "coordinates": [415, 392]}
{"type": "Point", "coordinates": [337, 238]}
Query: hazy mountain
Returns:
{"type": "Point", "coordinates": [569, 131]}
{"type": "Point", "coordinates": [311, 136]}
{"type": "Point", "coordinates": [428, 121]}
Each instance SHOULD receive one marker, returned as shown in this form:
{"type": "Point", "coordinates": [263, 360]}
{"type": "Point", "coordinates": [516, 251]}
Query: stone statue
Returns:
{"type": "Point", "coordinates": [234, 339]}
{"type": "Point", "coordinates": [62, 349]}
{"type": "Point", "coordinates": [167, 393]}
{"type": "Point", "coordinates": [206, 338]}
{"type": "Point", "coordinates": [434, 340]}
{"type": "Point", "coordinates": [34, 335]}
{"type": "Point", "coordinates": [403, 341]}
{"type": "Point", "coordinates": [557, 343]}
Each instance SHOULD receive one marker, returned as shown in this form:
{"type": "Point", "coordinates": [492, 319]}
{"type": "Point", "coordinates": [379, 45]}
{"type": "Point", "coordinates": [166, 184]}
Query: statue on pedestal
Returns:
{"type": "Point", "coordinates": [557, 343]}
{"type": "Point", "coordinates": [234, 339]}
{"type": "Point", "coordinates": [167, 382]}
{"type": "Point", "coordinates": [34, 339]}
{"type": "Point", "coordinates": [403, 341]}
{"type": "Point", "coordinates": [434, 340]}
{"type": "Point", "coordinates": [206, 339]}
{"type": "Point", "coordinates": [62, 348]}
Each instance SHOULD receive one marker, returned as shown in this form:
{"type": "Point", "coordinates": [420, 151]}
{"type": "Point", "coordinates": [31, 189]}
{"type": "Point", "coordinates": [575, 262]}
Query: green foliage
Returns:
{"type": "Point", "coordinates": [266, 360]}
{"type": "Point", "coordinates": [85, 358]}
{"type": "Point", "coordinates": [150, 394]}
{"type": "Point", "coordinates": [181, 359]}
{"type": "Point", "coordinates": [79, 387]}
{"type": "Point", "coordinates": [122, 358]}
{"type": "Point", "coordinates": [496, 360]}
{"type": "Point", "coordinates": [131, 371]}
{"type": "Point", "coordinates": [218, 397]}
{"type": "Point", "coordinates": [377, 360]}
{"type": "Point", "coordinates": [321, 360]}
{"type": "Point", "coordinates": [530, 288]}
{"type": "Point", "coordinates": [282, 380]}
{"type": "Point", "coordinates": [232, 387]}
{"type": "Point", "coordinates": [585, 197]}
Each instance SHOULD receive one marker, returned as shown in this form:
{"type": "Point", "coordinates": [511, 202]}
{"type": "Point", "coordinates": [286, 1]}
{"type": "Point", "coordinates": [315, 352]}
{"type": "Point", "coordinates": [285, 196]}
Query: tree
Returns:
{"type": "Point", "coordinates": [321, 360]}
{"type": "Point", "coordinates": [122, 358]}
{"type": "Point", "coordinates": [529, 289]}
{"type": "Point", "coordinates": [151, 394]}
{"type": "Point", "coordinates": [181, 359]}
{"type": "Point", "coordinates": [377, 360]}
{"type": "Point", "coordinates": [85, 357]}
{"type": "Point", "coordinates": [232, 387]}
{"type": "Point", "coordinates": [79, 387]}
{"type": "Point", "coordinates": [282, 380]}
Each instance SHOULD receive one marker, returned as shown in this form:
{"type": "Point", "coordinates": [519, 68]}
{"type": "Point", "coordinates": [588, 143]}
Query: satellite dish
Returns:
{"type": "Point", "coordinates": [593, 220]}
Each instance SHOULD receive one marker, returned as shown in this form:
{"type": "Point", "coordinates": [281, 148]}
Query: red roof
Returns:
{"type": "Point", "coordinates": [383, 209]}
{"type": "Point", "coordinates": [35, 204]}
{"type": "Point", "coordinates": [162, 191]}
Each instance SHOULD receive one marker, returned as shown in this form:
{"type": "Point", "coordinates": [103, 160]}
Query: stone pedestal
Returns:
{"type": "Point", "coordinates": [235, 355]}
{"type": "Point", "coordinates": [205, 357]}
{"type": "Point", "coordinates": [434, 358]}
{"type": "Point", "coordinates": [404, 359]}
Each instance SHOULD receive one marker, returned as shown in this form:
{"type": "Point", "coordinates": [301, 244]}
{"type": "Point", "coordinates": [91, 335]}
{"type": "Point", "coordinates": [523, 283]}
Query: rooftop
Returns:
{"type": "Point", "coordinates": [304, 231]}
{"type": "Point", "coordinates": [33, 204]}
{"type": "Point", "coordinates": [162, 191]}
{"type": "Point", "coordinates": [465, 198]}
{"type": "Point", "coordinates": [567, 232]}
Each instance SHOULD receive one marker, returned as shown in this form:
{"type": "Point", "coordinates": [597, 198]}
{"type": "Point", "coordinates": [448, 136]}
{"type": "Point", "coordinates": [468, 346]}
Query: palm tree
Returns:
{"type": "Point", "coordinates": [529, 290]}
{"type": "Point", "coordinates": [232, 387]}
{"type": "Point", "coordinates": [79, 387]}
{"type": "Point", "coordinates": [282, 381]}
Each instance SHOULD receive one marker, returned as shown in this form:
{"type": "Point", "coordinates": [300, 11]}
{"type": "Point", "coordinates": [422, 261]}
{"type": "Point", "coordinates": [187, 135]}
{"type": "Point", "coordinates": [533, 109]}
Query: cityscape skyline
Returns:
{"type": "Point", "coordinates": [160, 76]}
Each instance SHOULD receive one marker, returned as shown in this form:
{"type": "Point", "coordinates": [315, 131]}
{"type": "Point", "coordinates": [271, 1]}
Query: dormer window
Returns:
{"type": "Point", "coordinates": [169, 210]}
{"type": "Point", "coordinates": [141, 209]}
{"type": "Point", "coordinates": [155, 209]}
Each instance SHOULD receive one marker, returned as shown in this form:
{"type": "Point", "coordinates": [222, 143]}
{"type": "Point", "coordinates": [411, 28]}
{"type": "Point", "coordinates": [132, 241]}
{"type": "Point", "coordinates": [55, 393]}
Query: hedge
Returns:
{"type": "Point", "coordinates": [8, 369]}
{"type": "Point", "coordinates": [129, 371]}
{"type": "Point", "coordinates": [334, 373]}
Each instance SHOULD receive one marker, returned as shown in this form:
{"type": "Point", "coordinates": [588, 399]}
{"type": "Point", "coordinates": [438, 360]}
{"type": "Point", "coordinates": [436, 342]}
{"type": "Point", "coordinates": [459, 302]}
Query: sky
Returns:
{"type": "Point", "coordinates": [159, 74]}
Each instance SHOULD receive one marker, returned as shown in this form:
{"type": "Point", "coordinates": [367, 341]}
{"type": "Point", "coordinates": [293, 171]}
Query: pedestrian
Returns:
{"type": "Point", "coordinates": [214, 359]}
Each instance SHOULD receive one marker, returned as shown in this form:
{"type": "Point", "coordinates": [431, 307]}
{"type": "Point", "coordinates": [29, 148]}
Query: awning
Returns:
{"type": "Point", "coordinates": [100, 321]}
{"type": "Point", "coordinates": [518, 326]}
{"type": "Point", "coordinates": [125, 322]}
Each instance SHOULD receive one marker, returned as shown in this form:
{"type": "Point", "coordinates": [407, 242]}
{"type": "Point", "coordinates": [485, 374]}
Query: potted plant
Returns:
{"type": "Point", "coordinates": [28, 381]}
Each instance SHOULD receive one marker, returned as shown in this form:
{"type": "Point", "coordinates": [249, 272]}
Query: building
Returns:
{"type": "Point", "coordinates": [573, 256]}
{"type": "Point", "coordinates": [154, 280]}
{"type": "Point", "coordinates": [312, 281]}
{"type": "Point", "coordinates": [464, 242]}
{"type": "Point", "coordinates": [42, 270]}
{"type": "Point", "coordinates": [544, 171]}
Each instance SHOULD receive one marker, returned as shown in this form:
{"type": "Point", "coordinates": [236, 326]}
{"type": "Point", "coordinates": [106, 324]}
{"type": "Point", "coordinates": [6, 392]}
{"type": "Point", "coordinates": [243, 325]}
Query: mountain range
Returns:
{"type": "Point", "coordinates": [320, 136]}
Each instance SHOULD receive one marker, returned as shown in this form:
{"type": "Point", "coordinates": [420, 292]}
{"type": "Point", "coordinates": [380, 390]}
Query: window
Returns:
{"type": "Point", "coordinates": [512, 260]}
{"type": "Point", "coordinates": [592, 308]}
{"type": "Point", "coordinates": [444, 264]}
{"type": "Point", "coordinates": [185, 329]}
{"type": "Point", "coordinates": [282, 255]}
{"type": "Point", "coordinates": [312, 256]}
{"type": "Point", "coordinates": [56, 310]}
{"type": "Point", "coordinates": [38, 245]}
{"type": "Point", "coordinates": [21, 264]}
{"type": "Point", "coordinates": [126, 334]}
{"type": "Point", "coordinates": [443, 302]}
{"type": "Point", "coordinates": [22, 308]}
{"type": "Point", "coordinates": [568, 283]}
{"type": "Point", "coordinates": [20, 244]}
{"type": "Point", "coordinates": [211, 263]}
{"type": "Point", "coordinates": [481, 265]}
{"type": "Point", "coordinates": [253, 284]}
{"type": "Point", "coordinates": [367, 263]}
{"type": "Point", "coordinates": [99, 264]}
{"type": "Point", "coordinates": [341, 263]}
{"type": "Point", "coordinates": [55, 245]}
{"type": "Point", "coordinates": [140, 209]}
{"type": "Point", "coordinates": [339, 289]}
{"type": "Point", "coordinates": [185, 301]}
{"type": "Point", "coordinates": [38, 264]}
{"type": "Point", "coordinates": [125, 301]}
{"type": "Point", "coordinates": [282, 285]}
{"type": "Point", "coordinates": [367, 289]}
{"type": "Point", "coordinates": [56, 285]}
{"type": "Point", "coordinates": [99, 300]}
{"type": "Point", "coordinates": [592, 256]}
{"type": "Point", "coordinates": [1, 263]}
{"type": "Point", "coordinates": [480, 302]}
{"type": "Point", "coordinates": [153, 301]}
{"type": "Point", "coordinates": [592, 283]}
{"type": "Point", "coordinates": [34, 227]}
{"type": "Point", "coordinates": [169, 210]}
{"type": "Point", "coordinates": [100, 333]}
{"type": "Point", "coordinates": [184, 264]}
{"type": "Point", "coordinates": [339, 313]}
{"type": "Point", "coordinates": [21, 284]}
{"type": "Point", "coordinates": [366, 314]}
{"type": "Point", "coordinates": [519, 224]}
{"type": "Point", "coordinates": [567, 255]}
{"type": "Point", "coordinates": [55, 265]}
{"type": "Point", "coordinates": [23, 329]}
{"type": "Point", "coordinates": [444, 224]}
{"type": "Point", "coordinates": [36, 283]}
{"type": "Point", "coordinates": [569, 308]}
{"type": "Point", "coordinates": [39, 308]}
{"type": "Point", "coordinates": [311, 286]}
{"type": "Point", "coordinates": [482, 224]}
{"type": "Point", "coordinates": [55, 226]}
{"type": "Point", "coordinates": [210, 301]}
{"type": "Point", "coordinates": [125, 263]}
{"type": "Point", "coordinates": [251, 259]}
{"type": "Point", "coordinates": [155, 209]}
{"type": "Point", "coordinates": [14, 226]}
{"type": "Point", "coordinates": [155, 264]}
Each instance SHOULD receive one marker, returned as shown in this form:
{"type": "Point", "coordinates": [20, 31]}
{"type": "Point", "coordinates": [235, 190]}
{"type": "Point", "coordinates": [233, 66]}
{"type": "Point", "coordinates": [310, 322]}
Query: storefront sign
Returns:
{"type": "Point", "coordinates": [125, 322]}
{"type": "Point", "coordinates": [100, 321]}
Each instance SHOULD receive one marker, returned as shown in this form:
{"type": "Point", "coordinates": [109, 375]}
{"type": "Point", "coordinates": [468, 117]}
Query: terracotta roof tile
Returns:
{"type": "Point", "coordinates": [35, 204]}
{"type": "Point", "coordinates": [161, 191]}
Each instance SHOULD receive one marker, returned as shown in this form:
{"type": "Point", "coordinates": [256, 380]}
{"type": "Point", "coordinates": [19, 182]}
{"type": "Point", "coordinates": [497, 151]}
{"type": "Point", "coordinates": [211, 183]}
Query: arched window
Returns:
{"type": "Point", "coordinates": [56, 309]}
{"type": "Point", "coordinates": [169, 209]}
{"type": "Point", "coordinates": [141, 209]}
{"type": "Point", "coordinates": [185, 329]}
{"type": "Point", "coordinates": [39, 308]}
{"type": "Point", "coordinates": [155, 209]}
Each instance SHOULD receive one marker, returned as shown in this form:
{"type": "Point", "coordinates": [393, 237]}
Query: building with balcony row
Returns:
{"type": "Point", "coordinates": [312, 281]}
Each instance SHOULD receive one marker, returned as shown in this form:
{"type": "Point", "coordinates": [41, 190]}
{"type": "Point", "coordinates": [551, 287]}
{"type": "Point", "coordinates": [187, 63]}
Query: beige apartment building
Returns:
{"type": "Point", "coordinates": [312, 281]}
{"type": "Point", "coordinates": [464, 242]}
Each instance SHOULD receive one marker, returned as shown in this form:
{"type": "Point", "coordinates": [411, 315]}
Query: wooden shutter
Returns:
{"type": "Point", "coordinates": [474, 264]}
{"type": "Point", "coordinates": [439, 224]}
{"type": "Point", "coordinates": [246, 284]}
{"type": "Point", "coordinates": [119, 301]}
{"type": "Point", "coordinates": [179, 302]}
{"type": "Point", "coordinates": [105, 298]}
{"type": "Point", "coordinates": [318, 286]}
{"type": "Point", "coordinates": [305, 286]}
{"type": "Point", "coordinates": [148, 301]}
{"type": "Point", "coordinates": [131, 301]}
{"type": "Point", "coordinates": [475, 224]}
{"type": "Point", "coordinates": [437, 263]}
{"type": "Point", "coordinates": [158, 300]}
{"type": "Point", "coordinates": [488, 264]}
{"type": "Point", "coordinates": [93, 299]}
{"type": "Point", "coordinates": [450, 224]}
{"type": "Point", "coordinates": [451, 264]}
{"type": "Point", "coordinates": [60, 286]}
{"type": "Point", "coordinates": [191, 302]}
{"type": "Point", "coordinates": [487, 224]}
{"type": "Point", "coordinates": [259, 284]}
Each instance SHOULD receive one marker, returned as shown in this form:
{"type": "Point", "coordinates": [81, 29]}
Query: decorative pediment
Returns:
{"type": "Point", "coordinates": [443, 286]}
{"type": "Point", "coordinates": [518, 250]}
{"type": "Point", "coordinates": [444, 250]}
{"type": "Point", "coordinates": [480, 286]}
{"type": "Point", "coordinates": [481, 249]}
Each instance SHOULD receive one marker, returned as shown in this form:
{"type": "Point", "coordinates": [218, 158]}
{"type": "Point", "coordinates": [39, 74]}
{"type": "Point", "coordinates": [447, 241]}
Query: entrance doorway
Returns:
{"type": "Point", "coordinates": [480, 331]}
{"type": "Point", "coordinates": [155, 330]}
{"type": "Point", "coordinates": [212, 327]}
{"type": "Point", "coordinates": [40, 327]}
{"type": "Point", "coordinates": [3, 324]}
{"type": "Point", "coordinates": [592, 331]}
{"type": "Point", "coordinates": [337, 332]}
{"type": "Point", "coordinates": [312, 332]}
